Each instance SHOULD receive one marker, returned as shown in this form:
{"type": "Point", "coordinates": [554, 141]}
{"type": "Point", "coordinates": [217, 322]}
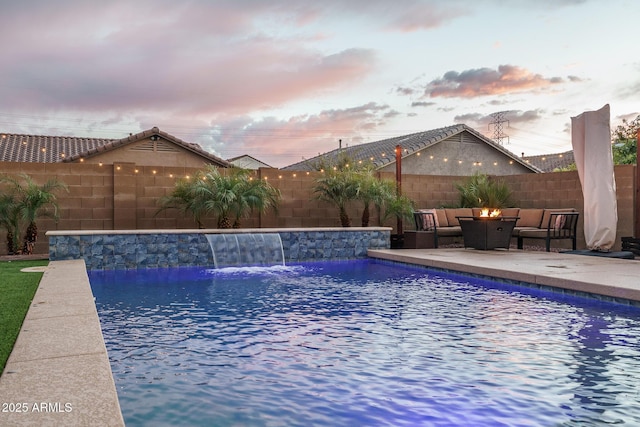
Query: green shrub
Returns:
{"type": "Point", "coordinates": [481, 191]}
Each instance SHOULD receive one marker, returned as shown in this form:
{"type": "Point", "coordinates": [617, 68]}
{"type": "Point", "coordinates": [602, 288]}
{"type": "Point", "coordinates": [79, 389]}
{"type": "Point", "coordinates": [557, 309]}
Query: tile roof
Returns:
{"type": "Point", "coordinates": [551, 162]}
{"type": "Point", "coordinates": [382, 152]}
{"type": "Point", "coordinates": [246, 160]}
{"type": "Point", "coordinates": [55, 149]}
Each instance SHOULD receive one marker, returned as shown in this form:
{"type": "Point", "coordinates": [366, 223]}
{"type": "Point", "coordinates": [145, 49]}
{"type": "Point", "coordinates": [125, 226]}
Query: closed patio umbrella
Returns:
{"type": "Point", "coordinates": [591, 140]}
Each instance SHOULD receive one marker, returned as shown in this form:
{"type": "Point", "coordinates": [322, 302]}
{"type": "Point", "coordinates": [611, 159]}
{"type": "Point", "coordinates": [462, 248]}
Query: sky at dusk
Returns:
{"type": "Point", "coordinates": [285, 80]}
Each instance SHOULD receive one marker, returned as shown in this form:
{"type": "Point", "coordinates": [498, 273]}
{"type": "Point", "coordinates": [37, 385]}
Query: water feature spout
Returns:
{"type": "Point", "coordinates": [246, 249]}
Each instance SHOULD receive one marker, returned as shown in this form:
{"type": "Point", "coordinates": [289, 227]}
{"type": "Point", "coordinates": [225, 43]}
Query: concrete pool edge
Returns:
{"type": "Point", "coordinates": [59, 371]}
{"type": "Point", "coordinates": [614, 279]}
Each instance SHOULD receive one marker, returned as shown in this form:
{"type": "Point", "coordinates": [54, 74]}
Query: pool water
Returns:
{"type": "Point", "coordinates": [363, 343]}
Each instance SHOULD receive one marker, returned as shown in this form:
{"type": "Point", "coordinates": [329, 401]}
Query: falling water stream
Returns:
{"type": "Point", "coordinates": [246, 249]}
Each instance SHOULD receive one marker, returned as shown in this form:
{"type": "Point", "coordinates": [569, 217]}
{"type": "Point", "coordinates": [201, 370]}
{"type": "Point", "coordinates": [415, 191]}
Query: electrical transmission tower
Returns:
{"type": "Point", "coordinates": [498, 120]}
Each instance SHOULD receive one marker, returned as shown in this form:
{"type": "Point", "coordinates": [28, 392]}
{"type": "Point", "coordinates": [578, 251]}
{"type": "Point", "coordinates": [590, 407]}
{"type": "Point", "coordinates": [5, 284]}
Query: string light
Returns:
{"type": "Point", "coordinates": [347, 165]}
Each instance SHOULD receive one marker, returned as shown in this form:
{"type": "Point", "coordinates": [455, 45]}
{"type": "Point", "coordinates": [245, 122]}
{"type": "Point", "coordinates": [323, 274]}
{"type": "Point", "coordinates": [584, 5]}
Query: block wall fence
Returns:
{"type": "Point", "coordinates": [124, 196]}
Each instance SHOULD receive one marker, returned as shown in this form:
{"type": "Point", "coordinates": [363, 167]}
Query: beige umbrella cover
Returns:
{"type": "Point", "coordinates": [591, 140]}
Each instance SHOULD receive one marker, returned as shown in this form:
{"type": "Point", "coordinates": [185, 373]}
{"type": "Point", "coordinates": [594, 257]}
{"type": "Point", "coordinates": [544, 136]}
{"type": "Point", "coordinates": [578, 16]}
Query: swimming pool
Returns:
{"type": "Point", "coordinates": [362, 343]}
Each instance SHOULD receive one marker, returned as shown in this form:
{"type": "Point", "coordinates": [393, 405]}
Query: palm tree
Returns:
{"type": "Point", "coordinates": [338, 187]}
{"type": "Point", "coordinates": [183, 198]}
{"type": "Point", "coordinates": [10, 221]}
{"type": "Point", "coordinates": [399, 207]}
{"type": "Point", "coordinates": [256, 195]}
{"type": "Point", "coordinates": [380, 192]}
{"type": "Point", "coordinates": [234, 195]}
{"type": "Point", "coordinates": [33, 201]}
{"type": "Point", "coordinates": [226, 198]}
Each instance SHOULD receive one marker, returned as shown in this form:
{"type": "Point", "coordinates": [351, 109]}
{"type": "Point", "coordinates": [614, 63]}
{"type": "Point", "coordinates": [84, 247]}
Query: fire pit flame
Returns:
{"type": "Point", "coordinates": [490, 213]}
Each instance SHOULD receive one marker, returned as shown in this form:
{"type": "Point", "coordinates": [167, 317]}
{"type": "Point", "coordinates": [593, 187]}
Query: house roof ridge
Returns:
{"type": "Point", "coordinates": [378, 151]}
{"type": "Point", "coordinates": [547, 154]}
{"type": "Point", "coordinates": [45, 148]}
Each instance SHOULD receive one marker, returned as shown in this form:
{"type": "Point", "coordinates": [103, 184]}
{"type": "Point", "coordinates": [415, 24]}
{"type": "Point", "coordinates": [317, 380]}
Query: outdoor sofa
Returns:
{"type": "Point", "coordinates": [542, 224]}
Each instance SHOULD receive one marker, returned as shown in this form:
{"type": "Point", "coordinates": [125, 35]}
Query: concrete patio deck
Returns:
{"type": "Point", "coordinates": [60, 369]}
{"type": "Point", "coordinates": [615, 278]}
{"type": "Point", "coordinates": [58, 372]}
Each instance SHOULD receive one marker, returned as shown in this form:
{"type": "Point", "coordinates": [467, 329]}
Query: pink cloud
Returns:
{"type": "Point", "coordinates": [280, 142]}
{"type": "Point", "coordinates": [417, 16]}
{"type": "Point", "coordinates": [203, 60]}
{"type": "Point", "coordinates": [485, 81]}
{"type": "Point", "coordinates": [478, 120]}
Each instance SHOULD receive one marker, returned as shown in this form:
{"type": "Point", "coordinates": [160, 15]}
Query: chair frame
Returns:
{"type": "Point", "coordinates": [422, 228]}
{"type": "Point", "coordinates": [568, 231]}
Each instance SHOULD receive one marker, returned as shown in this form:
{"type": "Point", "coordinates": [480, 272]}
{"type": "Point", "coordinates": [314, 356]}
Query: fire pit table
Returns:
{"type": "Point", "coordinates": [487, 232]}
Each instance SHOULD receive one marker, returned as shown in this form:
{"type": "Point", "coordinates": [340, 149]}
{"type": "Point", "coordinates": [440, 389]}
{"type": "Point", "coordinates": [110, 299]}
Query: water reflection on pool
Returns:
{"type": "Point", "coordinates": [362, 343]}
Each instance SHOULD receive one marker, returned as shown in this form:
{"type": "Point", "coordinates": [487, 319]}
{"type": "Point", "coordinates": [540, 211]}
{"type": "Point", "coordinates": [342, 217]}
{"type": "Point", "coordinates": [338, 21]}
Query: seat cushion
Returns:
{"type": "Point", "coordinates": [533, 233]}
{"type": "Point", "coordinates": [442, 218]}
{"type": "Point", "coordinates": [454, 231]}
{"type": "Point", "coordinates": [530, 218]}
{"type": "Point", "coordinates": [516, 230]}
{"type": "Point", "coordinates": [510, 212]}
{"type": "Point", "coordinates": [455, 212]}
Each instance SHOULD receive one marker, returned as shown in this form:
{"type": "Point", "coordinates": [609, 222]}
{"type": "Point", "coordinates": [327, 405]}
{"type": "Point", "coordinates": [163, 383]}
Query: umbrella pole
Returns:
{"type": "Point", "coordinates": [636, 226]}
{"type": "Point", "coordinates": [399, 184]}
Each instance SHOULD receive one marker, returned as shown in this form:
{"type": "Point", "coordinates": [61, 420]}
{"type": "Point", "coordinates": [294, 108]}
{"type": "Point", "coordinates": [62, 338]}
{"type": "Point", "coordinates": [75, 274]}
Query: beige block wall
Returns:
{"type": "Point", "coordinates": [106, 198]}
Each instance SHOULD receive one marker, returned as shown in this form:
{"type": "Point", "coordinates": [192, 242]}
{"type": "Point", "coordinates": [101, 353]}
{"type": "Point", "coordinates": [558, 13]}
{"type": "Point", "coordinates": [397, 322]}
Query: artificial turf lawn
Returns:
{"type": "Point", "coordinates": [16, 293]}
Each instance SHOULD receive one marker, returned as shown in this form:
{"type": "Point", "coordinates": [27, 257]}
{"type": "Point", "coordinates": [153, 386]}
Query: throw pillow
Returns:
{"type": "Point", "coordinates": [561, 220]}
{"type": "Point", "coordinates": [429, 221]}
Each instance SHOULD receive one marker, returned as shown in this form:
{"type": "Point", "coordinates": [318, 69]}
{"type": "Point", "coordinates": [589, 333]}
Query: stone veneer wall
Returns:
{"type": "Point", "coordinates": [182, 248]}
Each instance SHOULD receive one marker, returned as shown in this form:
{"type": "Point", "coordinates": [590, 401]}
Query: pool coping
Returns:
{"type": "Point", "coordinates": [59, 372]}
{"type": "Point", "coordinates": [602, 278]}
{"type": "Point", "coordinates": [214, 231]}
